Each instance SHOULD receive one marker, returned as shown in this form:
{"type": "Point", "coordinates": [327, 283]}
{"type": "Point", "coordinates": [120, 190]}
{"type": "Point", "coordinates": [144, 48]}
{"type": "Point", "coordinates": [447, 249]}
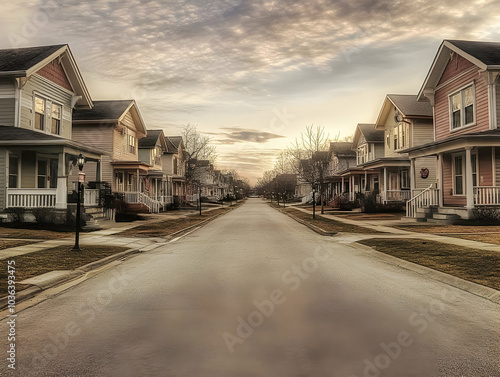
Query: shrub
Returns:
{"type": "Point", "coordinates": [391, 207]}
{"type": "Point", "coordinates": [44, 215]}
{"type": "Point", "coordinates": [124, 212]}
{"type": "Point", "coordinates": [70, 220]}
{"type": "Point", "coordinates": [369, 203]}
{"type": "Point", "coordinates": [486, 215]}
{"type": "Point", "coordinates": [343, 204]}
{"type": "Point", "coordinates": [17, 214]}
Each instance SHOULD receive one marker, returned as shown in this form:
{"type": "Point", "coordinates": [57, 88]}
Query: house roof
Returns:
{"type": "Point", "coordinates": [173, 143]}
{"type": "Point", "coordinates": [23, 137]}
{"type": "Point", "coordinates": [370, 134]}
{"type": "Point", "coordinates": [406, 104]}
{"type": "Point", "coordinates": [485, 55]}
{"type": "Point", "coordinates": [23, 62]}
{"type": "Point", "coordinates": [150, 140]}
{"type": "Point", "coordinates": [342, 148]}
{"type": "Point", "coordinates": [112, 111]}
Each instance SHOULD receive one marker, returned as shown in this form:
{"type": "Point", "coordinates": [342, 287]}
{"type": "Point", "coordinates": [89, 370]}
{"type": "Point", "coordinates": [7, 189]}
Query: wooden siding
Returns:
{"type": "Point", "coordinates": [4, 155]}
{"type": "Point", "coordinates": [379, 150]}
{"type": "Point", "coordinates": [497, 166]}
{"type": "Point", "coordinates": [429, 163]}
{"type": "Point", "coordinates": [145, 155]}
{"type": "Point", "coordinates": [98, 136]}
{"type": "Point", "coordinates": [455, 66]}
{"type": "Point", "coordinates": [7, 111]}
{"type": "Point", "coordinates": [120, 146]}
{"type": "Point", "coordinates": [422, 132]}
{"type": "Point", "coordinates": [442, 111]}
{"type": "Point", "coordinates": [448, 198]}
{"type": "Point", "coordinates": [55, 73]}
{"type": "Point", "coordinates": [485, 172]}
{"type": "Point", "coordinates": [50, 91]}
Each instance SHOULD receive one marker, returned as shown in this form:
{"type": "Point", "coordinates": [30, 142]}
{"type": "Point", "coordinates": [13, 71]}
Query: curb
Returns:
{"type": "Point", "coordinates": [468, 286]}
{"type": "Point", "coordinates": [310, 226]}
{"type": "Point", "coordinates": [30, 292]}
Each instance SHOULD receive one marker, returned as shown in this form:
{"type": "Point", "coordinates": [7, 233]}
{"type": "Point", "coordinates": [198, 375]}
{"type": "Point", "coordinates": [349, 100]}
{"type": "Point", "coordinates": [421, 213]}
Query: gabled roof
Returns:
{"type": "Point", "coordinates": [173, 143]}
{"type": "Point", "coordinates": [23, 62]}
{"type": "Point", "coordinates": [369, 132]}
{"type": "Point", "coordinates": [152, 138]}
{"type": "Point", "coordinates": [485, 55]}
{"type": "Point", "coordinates": [110, 112]}
{"type": "Point", "coordinates": [407, 105]}
{"type": "Point", "coordinates": [342, 148]}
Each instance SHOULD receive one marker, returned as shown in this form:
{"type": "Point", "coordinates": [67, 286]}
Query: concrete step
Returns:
{"type": "Point", "coordinates": [414, 219]}
{"type": "Point", "coordinates": [141, 208]}
{"type": "Point", "coordinates": [441, 221]}
{"type": "Point", "coordinates": [445, 216]}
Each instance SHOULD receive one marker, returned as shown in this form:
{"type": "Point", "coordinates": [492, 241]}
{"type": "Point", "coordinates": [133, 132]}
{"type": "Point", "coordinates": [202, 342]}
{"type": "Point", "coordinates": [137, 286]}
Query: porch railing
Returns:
{"type": "Point", "coordinates": [91, 197]}
{"type": "Point", "coordinates": [141, 198]}
{"type": "Point", "coordinates": [426, 198]}
{"type": "Point", "coordinates": [397, 195]}
{"type": "Point", "coordinates": [487, 195]}
{"type": "Point", "coordinates": [31, 198]}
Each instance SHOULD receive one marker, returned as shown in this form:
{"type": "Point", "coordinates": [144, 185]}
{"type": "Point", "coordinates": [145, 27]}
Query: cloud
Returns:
{"type": "Point", "coordinates": [233, 135]}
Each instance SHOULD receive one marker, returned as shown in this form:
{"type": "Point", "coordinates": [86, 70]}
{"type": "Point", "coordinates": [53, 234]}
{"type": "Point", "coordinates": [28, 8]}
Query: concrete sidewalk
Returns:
{"type": "Point", "coordinates": [399, 233]}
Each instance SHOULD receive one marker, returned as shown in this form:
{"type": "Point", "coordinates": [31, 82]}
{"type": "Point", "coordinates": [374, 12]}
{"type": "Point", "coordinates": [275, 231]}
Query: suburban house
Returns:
{"type": "Point", "coordinates": [40, 88]}
{"type": "Point", "coordinates": [368, 143]}
{"type": "Point", "coordinates": [204, 179]}
{"type": "Point", "coordinates": [405, 123]}
{"type": "Point", "coordinates": [151, 150]}
{"type": "Point", "coordinates": [462, 86]}
{"type": "Point", "coordinates": [342, 157]}
{"type": "Point", "coordinates": [174, 165]}
{"type": "Point", "coordinates": [117, 127]}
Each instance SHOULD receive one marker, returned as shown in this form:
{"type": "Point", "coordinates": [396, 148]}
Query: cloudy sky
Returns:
{"type": "Point", "coordinates": [250, 73]}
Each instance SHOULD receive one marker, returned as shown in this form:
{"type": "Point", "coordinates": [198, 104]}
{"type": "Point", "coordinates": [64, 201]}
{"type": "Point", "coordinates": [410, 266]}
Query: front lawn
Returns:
{"type": "Point", "coordinates": [56, 258]}
{"type": "Point", "coordinates": [7, 244]}
{"type": "Point", "coordinates": [478, 266]}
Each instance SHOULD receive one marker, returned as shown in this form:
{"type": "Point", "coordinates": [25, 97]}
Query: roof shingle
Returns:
{"type": "Point", "coordinates": [22, 59]}
{"type": "Point", "coordinates": [103, 110]}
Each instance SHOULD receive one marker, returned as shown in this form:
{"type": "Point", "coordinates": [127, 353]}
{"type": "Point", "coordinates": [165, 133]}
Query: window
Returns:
{"type": "Point", "coordinates": [362, 154]}
{"type": "Point", "coordinates": [13, 171]}
{"type": "Point", "coordinates": [56, 119]}
{"type": "Point", "coordinates": [401, 136]}
{"type": "Point", "coordinates": [42, 174]}
{"type": "Point", "coordinates": [375, 183]}
{"type": "Point", "coordinates": [39, 114]}
{"type": "Point", "coordinates": [156, 155]}
{"type": "Point", "coordinates": [405, 179]}
{"type": "Point", "coordinates": [458, 175]}
{"type": "Point", "coordinates": [131, 143]}
{"type": "Point", "coordinates": [462, 108]}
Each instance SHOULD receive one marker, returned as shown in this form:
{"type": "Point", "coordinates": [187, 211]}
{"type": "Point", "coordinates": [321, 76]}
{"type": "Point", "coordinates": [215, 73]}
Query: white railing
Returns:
{"type": "Point", "coordinates": [308, 198]}
{"type": "Point", "coordinates": [397, 195]}
{"type": "Point", "coordinates": [487, 195]}
{"type": "Point", "coordinates": [31, 198]}
{"type": "Point", "coordinates": [141, 198]}
{"type": "Point", "coordinates": [426, 198]}
{"type": "Point", "coordinates": [91, 197]}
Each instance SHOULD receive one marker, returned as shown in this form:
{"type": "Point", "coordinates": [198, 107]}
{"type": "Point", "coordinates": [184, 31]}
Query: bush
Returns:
{"type": "Point", "coordinates": [369, 203]}
{"type": "Point", "coordinates": [44, 215]}
{"type": "Point", "coordinates": [486, 215]}
{"type": "Point", "coordinates": [124, 212]}
{"type": "Point", "coordinates": [391, 207]}
{"type": "Point", "coordinates": [343, 204]}
{"type": "Point", "coordinates": [70, 221]}
{"type": "Point", "coordinates": [17, 214]}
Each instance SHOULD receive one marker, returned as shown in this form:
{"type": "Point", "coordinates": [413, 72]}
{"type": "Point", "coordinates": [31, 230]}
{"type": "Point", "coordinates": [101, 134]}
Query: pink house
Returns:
{"type": "Point", "coordinates": [462, 88]}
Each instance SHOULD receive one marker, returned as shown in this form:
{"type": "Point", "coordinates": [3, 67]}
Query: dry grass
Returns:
{"type": "Point", "coordinates": [478, 266]}
{"type": "Point", "coordinates": [488, 238]}
{"type": "Point", "coordinates": [450, 229]}
{"type": "Point", "coordinates": [32, 234]}
{"type": "Point", "coordinates": [6, 244]}
{"type": "Point", "coordinates": [57, 258]}
{"type": "Point", "coordinates": [167, 227]}
{"type": "Point", "coordinates": [371, 216]}
{"type": "Point", "coordinates": [328, 225]}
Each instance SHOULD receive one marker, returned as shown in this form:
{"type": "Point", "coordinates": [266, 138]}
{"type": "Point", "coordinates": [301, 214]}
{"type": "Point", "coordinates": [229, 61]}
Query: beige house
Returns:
{"type": "Point", "coordinates": [40, 88]}
{"type": "Point", "coordinates": [174, 165]}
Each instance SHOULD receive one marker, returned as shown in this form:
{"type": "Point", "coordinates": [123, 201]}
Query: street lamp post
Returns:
{"type": "Point", "coordinates": [284, 199]}
{"type": "Point", "coordinates": [314, 203]}
{"type": "Point", "coordinates": [80, 161]}
{"type": "Point", "coordinates": [199, 197]}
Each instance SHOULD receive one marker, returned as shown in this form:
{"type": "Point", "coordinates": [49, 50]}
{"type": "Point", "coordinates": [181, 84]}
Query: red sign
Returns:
{"type": "Point", "coordinates": [424, 173]}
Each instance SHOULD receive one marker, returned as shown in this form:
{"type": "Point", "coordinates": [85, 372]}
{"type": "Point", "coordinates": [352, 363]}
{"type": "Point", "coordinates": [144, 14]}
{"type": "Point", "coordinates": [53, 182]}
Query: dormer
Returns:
{"type": "Point", "coordinates": [368, 143]}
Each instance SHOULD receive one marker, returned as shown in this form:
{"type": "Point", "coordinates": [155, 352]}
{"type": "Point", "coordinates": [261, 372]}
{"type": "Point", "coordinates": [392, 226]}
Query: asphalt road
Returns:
{"type": "Point", "coordinates": [254, 293]}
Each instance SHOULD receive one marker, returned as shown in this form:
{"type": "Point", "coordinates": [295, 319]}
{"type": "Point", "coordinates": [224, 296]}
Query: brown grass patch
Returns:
{"type": "Point", "coordinates": [328, 225]}
{"type": "Point", "coordinates": [6, 244]}
{"type": "Point", "coordinates": [445, 229]}
{"type": "Point", "coordinates": [32, 234]}
{"type": "Point", "coordinates": [56, 258]}
{"type": "Point", "coordinates": [478, 266]}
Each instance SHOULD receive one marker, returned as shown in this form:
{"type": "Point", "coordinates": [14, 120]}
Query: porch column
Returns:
{"type": "Point", "coordinates": [366, 181]}
{"type": "Point", "coordinates": [138, 184]}
{"type": "Point", "coordinates": [440, 178]}
{"type": "Point", "coordinates": [468, 178]}
{"type": "Point", "coordinates": [413, 183]}
{"type": "Point", "coordinates": [385, 185]}
{"type": "Point", "coordinates": [98, 171]}
{"type": "Point", "coordinates": [62, 183]}
{"type": "Point", "coordinates": [343, 186]}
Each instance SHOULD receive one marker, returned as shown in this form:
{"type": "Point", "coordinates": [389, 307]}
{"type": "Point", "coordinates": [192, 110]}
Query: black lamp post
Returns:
{"type": "Point", "coordinates": [314, 203]}
{"type": "Point", "coordinates": [199, 197]}
{"type": "Point", "coordinates": [284, 199]}
{"type": "Point", "coordinates": [80, 161]}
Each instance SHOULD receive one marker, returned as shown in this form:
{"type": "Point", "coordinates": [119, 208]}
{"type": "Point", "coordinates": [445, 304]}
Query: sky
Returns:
{"type": "Point", "coordinates": [251, 74]}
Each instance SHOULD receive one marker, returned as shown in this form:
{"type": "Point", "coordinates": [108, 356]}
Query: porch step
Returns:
{"type": "Point", "coordinates": [445, 216]}
{"type": "Point", "coordinates": [414, 219]}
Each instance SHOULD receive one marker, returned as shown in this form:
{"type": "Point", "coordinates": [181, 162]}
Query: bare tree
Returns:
{"type": "Point", "coordinates": [310, 154]}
